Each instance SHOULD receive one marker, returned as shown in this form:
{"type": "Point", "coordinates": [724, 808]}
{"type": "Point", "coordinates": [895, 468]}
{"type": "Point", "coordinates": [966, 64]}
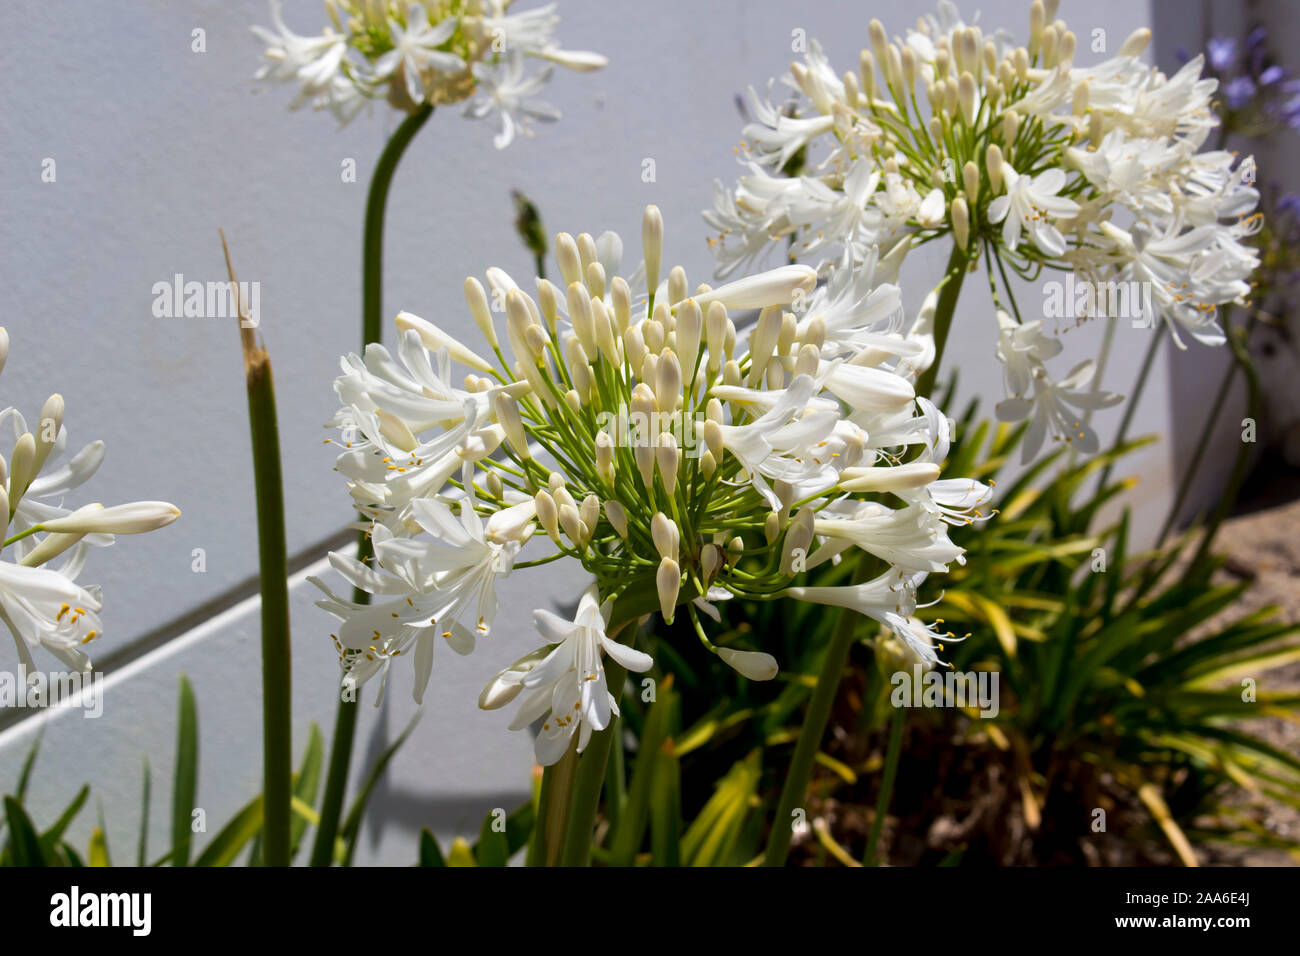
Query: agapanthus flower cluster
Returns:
{"type": "Point", "coordinates": [679, 460]}
{"type": "Point", "coordinates": [1018, 155]}
{"type": "Point", "coordinates": [474, 52]}
{"type": "Point", "coordinates": [45, 543]}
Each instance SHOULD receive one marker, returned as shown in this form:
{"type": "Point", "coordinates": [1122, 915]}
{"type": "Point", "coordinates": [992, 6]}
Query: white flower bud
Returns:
{"type": "Point", "coordinates": [731, 373]}
{"type": "Point", "coordinates": [752, 664]}
{"type": "Point", "coordinates": [477, 301]}
{"type": "Point", "coordinates": [798, 538]}
{"type": "Point", "coordinates": [774, 287]}
{"type": "Point", "coordinates": [762, 342]}
{"type": "Point", "coordinates": [960, 222]}
{"type": "Point", "coordinates": [710, 561]}
{"type": "Point", "coordinates": [668, 381]}
{"type": "Point", "coordinates": [506, 686]}
{"type": "Point", "coordinates": [572, 524]}
{"type": "Point", "coordinates": [617, 516]}
{"type": "Point", "coordinates": [708, 464]}
{"type": "Point", "coordinates": [605, 334]}
{"type": "Point", "coordinates": [595, 275]}
{"type": "Point", "coordinates": [507, 416]}
{"type": "Point", "coordinates": [567, 258]}
{"type": "Point", "coordinates": [676, 285]}
{"type": "Point", "coordinates": [580, 314]}
{"type": "Point", "coordinates": [690, 323]}
{"type": "Point", "coordinates": [867, 75]}
{"type": "Point", "coordinates": [22, 468]}
{"type": "Point", "coordinates": [1037, 20]}
{"type": "Point", "coordinates": [643, 453]}
{"type": "Point", "coordinates": [993, 162]}
{"type": "Point", "coordinates": [966, 97]}
{"type": "Point", "coordinates": [548, 299]}
{"type": "Point", "coordinates": [905, 477]}
{"type": "Point", "coordinates": [634, 345]}
{"type": "Point", "coordinates": [772, 527]}
{"type": "Point", "coordinates": [134, 518]}
{"type": "Point", "coordinates": [47, 429]}
{"type": "Point", "coordinates": [668, 581]}
{"type": "Point", "coordinates": [620, 297]}
{"type": "Point", "coordinates": [589, 512]}
{"type": "Point", "coordinates": [667, 457]}
{"type": "Point", "coordinates": [1136, 43]}
{"type": "Point", "coordinates": [712, 432]}
{"type": "Point", "coordinates": [664, 534]}
{"type": "Point", "coordinates": [605, 457]}
{"type": "Point", "coordinates": [652, 245]}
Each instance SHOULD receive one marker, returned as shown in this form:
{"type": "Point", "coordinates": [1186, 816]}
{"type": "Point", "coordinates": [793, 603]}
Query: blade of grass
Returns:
{"type": "Point", "coordinates": [185, 779]}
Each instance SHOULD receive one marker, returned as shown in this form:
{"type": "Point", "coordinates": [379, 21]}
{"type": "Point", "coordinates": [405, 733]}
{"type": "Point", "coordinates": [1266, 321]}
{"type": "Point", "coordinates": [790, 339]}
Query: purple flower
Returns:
{"type": "Point", "coordinates": [1221, 52]}
{"type": "Point", "coordinates": [1271, 75]}
{"type": "Point", "coordinates": [1238, 92]}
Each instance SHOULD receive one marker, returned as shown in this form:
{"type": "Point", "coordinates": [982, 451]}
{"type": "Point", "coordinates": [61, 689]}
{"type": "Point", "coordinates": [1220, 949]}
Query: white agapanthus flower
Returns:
{"type": "Point", "coordinates": [681, 461]}
{"type": "Point", "coordinates": [434, 51]}
{"type": "Point", "coordinates": [46, 543]}
{"type": "Point", "coordinates": [1019, 156]}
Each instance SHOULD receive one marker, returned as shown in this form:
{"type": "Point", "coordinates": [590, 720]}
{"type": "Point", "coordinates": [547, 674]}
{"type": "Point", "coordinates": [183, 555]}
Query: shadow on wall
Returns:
{"type": "Point", "coordinates": [1196, 374]}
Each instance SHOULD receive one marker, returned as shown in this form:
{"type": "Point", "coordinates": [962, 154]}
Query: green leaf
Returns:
{"type": "Point", "coordinates": [629, 831]}
{"type": "Point", "coordinates": [51, 838]}
{"type": "Point", "coordinates": [185, 782]}
{"type": "Point", "coordinates": [305, 786]}
{"type": "Point", "coordinates": [666, 808]}
{"type": "Point", "coordinates": [98, 855]}
{"type": "Point", "coordinates": [24, 845]}
{"type": "Point", "coordinates": [430, 852]}
{"type": "Point", "coordinates": [232, 838]}
{"type": "Point", "coordinates": [25, 775]}
{"type": "Point", "coordinates": [142, 850]}
{"type": "Point", "coordinates": [492, 848]}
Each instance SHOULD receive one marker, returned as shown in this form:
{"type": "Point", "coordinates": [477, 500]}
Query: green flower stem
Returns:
{"type": "Point", "coordinates": [589, 781]}
{"type": "Point", "coordinates": [372, 256]}
{"type": "Point", "coordinates": [372, 309]}
{"type": "Point", "coordinates": [1147, 363]}
{"type": "Point", "coordinates": [886, 784]}
{"type": "Point", "coordinates": [810, 735]}
{"type": "Point", "coordinates": [277, 673]}
{"type": "Point", "coordinates": [571, 790]}
{"type": "Point", "coordinates": [1207, 430]}
{"type": "Point", "coordinates": [944, 311]}
{"type": "Point", "coordinates": [1242, 465]}
{"type": "Point", "coordinates": [837, 652]}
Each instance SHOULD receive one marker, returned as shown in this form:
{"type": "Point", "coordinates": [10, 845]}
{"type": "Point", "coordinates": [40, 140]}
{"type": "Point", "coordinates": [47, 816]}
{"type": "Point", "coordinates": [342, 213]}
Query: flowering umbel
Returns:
{"type": "Point", "coordinates": [46, 543]}
{"type": "Point", "coordinates": [1014, 153]}
{"type": "Point", "coordinates": [436, 52]}
{"type": "Point", "coordinates": [679, 460]}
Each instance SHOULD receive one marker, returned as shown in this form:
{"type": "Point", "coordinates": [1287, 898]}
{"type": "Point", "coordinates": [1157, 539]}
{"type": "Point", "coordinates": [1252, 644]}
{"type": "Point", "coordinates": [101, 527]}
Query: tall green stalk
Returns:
{"type": "Point", "coordinates": [1148, 362]}
{"type": "Point", "coordinates": [837, 651]}
{"type": "Point", "coordinates": [277, 715]}
{"type": "Point", "coordinates": [372, 323]}
{"type": "Point", "coordinates": [886, 784]}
